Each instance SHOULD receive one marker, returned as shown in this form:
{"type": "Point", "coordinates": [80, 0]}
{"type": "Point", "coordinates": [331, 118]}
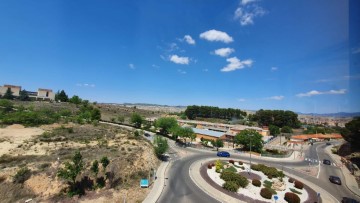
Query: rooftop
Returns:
{"type": "Point", "coordinates": [208, 132]}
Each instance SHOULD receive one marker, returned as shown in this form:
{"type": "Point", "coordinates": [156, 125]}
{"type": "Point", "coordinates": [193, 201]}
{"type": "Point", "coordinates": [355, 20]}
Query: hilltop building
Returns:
{"type": "Point", "coordinates": [43, 94]}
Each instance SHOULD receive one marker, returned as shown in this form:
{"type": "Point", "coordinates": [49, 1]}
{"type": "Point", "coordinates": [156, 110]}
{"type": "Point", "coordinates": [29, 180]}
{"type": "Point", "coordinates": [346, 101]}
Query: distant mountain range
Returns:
{"type": "Point", "coordinates": [339, 114]}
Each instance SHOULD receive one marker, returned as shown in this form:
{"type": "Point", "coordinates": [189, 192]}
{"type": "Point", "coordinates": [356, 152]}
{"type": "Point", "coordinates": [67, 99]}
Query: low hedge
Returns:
{"type": "Point", "coordinates": [265, 193]}
{"type": "Point", "coordinates": [268, 170]}
{"type": "Point", "coordinates": [299, 185]}
{"type": "Point", "coordinates": [256, 182]}
{"type": "Point", "coordinates": [231, 176]}
{"type": "Point", "coordinates": [231, 186]}
{"type": "Point", "coordinates": [292, 197]}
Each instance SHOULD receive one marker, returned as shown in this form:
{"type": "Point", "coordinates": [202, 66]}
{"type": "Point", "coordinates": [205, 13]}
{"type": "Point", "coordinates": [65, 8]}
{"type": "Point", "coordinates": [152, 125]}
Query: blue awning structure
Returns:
{"type": "Point", "coordinates": [144, 183]}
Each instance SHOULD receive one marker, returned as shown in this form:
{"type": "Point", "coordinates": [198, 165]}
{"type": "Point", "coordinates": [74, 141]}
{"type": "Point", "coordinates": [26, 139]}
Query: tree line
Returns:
{"type": "Point", "coordinates": [213, 112]}
{"type": "Point", "coordinates": [279, 118]}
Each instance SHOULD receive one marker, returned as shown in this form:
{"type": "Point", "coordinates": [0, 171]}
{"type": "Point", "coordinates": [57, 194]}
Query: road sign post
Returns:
{"type": "Point", "coordinates": [276, 198]}
{"type": "Point", "coordinates": [318, 197]}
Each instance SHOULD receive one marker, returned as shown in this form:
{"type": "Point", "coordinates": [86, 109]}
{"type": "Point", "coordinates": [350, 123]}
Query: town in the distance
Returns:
{"type": "Point", "coordinates": [60, 148]}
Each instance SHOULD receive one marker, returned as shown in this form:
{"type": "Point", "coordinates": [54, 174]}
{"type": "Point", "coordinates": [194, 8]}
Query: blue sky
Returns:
{"type": "Point", "coordinates": [248, 54]}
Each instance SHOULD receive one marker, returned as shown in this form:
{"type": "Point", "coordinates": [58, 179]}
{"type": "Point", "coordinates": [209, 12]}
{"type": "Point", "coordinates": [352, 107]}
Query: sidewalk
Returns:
{"type": "Point", "coordinates": [195, 175]}
{"type": "Point", "coordinates": [159, 183]}
{"type": "Point", "coordinates": [350, 181]}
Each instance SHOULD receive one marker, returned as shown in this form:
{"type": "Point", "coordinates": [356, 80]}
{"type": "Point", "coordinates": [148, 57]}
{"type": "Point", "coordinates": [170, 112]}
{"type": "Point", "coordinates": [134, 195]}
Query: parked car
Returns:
{"type": "Point", "coordinates": [327, 162]}
{"type": "Point", "coordinates": [348, 200]}
{"type": "Point", "coordinates": [223, 154]}
{"type": "Point", "coordinates": [335, 179]}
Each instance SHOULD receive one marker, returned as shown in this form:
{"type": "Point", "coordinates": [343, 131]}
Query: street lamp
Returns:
{"type": "Point", "coordinates": [250, 151]}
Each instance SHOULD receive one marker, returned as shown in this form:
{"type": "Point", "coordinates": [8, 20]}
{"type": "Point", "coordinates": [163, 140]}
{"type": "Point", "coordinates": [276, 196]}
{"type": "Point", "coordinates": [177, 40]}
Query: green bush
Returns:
{"type": "Point", "coordinates": [231, 176]}
{"type": "Point", "coordinates": [265, 193]}
{"type": "Point", "coordinates": [292, 197]}
{"type": "Point", "coordinates": [231, 168]}
{"type": "Point", "coordinates": [22, 175]}
{"type": "Point", "coordinates": [231, 186]}
{"type": "Point", "coordinates": [295, 191]}
{"type": "Point", "coordinates": [299, 185]}
{"type": "Point", "coordinates": [256, 182]}
{"type": "Point", "coordinates": [268, 170]}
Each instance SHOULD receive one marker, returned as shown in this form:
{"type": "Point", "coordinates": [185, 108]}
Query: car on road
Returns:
{"type": "Point", "coordinates": [327, 162]}
{"type": "Point", "coordinates": [223, 154]}
{"type": "Point", "coordinates": [348, 200]}
{"type": "Point", "coordinates": [328, 143]}
{"type": "Point", "coordinates": [335, 179]}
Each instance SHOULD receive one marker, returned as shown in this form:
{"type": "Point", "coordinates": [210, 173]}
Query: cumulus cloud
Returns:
{"type": "Point", "coordinates": [189, 39]}
{"type": "Point", "coordinates": [247, 11]}
{"type": "Point", "coordinates": [224, 52]}
{"type": "Point", "coordinates": [215, 35]}
{"type": "Point", "coordinates": [276, 98]}
{"type": "Point", "coordinates": [85, 85]}
{"type": "Point", "coordinates": [274, 69]}
{"type": "Point", "coordinates": [235, 63]}
{"type": "Point", "coordinates": [315, 92]}
{"type": "Point", "coordinates": [179, 60]}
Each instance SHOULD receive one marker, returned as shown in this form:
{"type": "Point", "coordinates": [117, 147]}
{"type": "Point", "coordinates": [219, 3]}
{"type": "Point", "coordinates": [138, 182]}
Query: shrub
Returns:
{"type": "Point", "coordinates": [213, 164]}
{"type": "Point", "coordinates": [256, 182]}
{"type": "Point", "coordinates": [231, 161]}
{"type": "Point", "coordinates": [240, 163]}
{"type": "Point", "coordinates": [231, 186]}
{"type": "Point", "coordinates": [295, 191]}
{"type": "Point", "coordinates": [231, 168]}
{"type": "Point", "coordinates": [265, 193]}
{"type": "Point", "coordinates": [209, 166]}
{"type": "Point", "coordinates": [299, 185]}
{"type": "Point", "coordinates": [270, 176]}
{"type": "Point", "coordinates": [231, 176]}
{"type": "Point", "coordinates": [217, 170]}
{"type": "Point", "coordinates": [292, 197]}
{"type": "Point", "coordinates": [291, 180]}
{"type": "Point", "coordinates": [22, 175]}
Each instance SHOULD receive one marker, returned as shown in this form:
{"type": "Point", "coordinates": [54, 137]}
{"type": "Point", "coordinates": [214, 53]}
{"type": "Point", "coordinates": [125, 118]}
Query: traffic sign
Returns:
{"type": "Point", "coordinates": [276, 197]}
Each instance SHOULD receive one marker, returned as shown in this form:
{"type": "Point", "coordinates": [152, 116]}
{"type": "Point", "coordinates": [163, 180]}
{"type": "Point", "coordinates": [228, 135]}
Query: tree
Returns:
{"type": "Point", "coordinates": [244, 138]}
{"type": "Point", "coordinates": [8, 94]}
{"type": "Point", "coordinates": [351, 133]}
{"type": "Point", "coordinates": [183, 133]}
{"type": "Point", "coordinates": [217, 143]}
{"type": "Point", "coordinates": [161, 145]}
{"type": "Point", "coordinates": [104, 162]}
{"type": "Point", "coordinates": [75, 99]}
{"type": "Point", "coordinates": [136, 119]}
{"type": "Point", "coordinates": [24, 96]}
{"type": "Point", "coordinates": [71, 171]}
{"type": "Point", "coordinates": [5, 105]}
{"type": "Point", "coordinates": [61, 96]}
{"type": "Point", "coordinates": [274, 130]}
{"type": "Point", "coordinates": [286, 129]}
{"type": "Point", "coordinates": [165, 124]}
{"type": "Point", "coordinates": [95, 168]}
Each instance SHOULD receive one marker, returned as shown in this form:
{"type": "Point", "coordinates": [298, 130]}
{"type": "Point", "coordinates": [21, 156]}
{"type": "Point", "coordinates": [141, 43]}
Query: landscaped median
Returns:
{"type": "Point", "coordinates": [237, 184]}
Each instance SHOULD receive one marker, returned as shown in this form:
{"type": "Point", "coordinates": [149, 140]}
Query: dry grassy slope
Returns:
{"type": "Point", "coordinates": [109, 111]}
{"type": "Point", "coordinates": [130, 160]}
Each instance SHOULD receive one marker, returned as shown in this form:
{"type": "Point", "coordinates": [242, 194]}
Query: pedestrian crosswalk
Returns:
{"type": "Point", "coordinates": [310, 160]}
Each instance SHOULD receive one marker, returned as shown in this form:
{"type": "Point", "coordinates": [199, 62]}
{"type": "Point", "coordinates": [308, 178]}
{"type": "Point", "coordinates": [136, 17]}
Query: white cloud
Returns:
{"type": "Point", "coordinates": [241, 100]}
{"type": "Point", "coordinates": [132, 66]}
{"type": "Point", "coordinates": [215, 35]}
{"type": "Point", "coordinates": [246, 13]}
{"type": "Point", "coordinates": [274, 69]}
{"type": "Point", "coordinates": [181, 71]}
{"type": "Point", "coordinates": [179, 60]}
{"type": "Point", "coordinates": [224, 52]}
{"type": "Point", "coordinates": [315, 92]}
{"type": "Point", "coordinates": [244, 2]}
{"type": "Point", "coordinates": [85, 85]}
{"type": "Point", "coordinates": [189, 39]}
{"type": "Point", "coordinates": [276, 98]}
{"type": "Point", "coordinates": [235, 63]}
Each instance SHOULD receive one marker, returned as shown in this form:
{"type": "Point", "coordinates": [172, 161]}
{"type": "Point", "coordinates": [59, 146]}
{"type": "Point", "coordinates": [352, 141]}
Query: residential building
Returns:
{"type": "Point", "coordinates": [13, 88]}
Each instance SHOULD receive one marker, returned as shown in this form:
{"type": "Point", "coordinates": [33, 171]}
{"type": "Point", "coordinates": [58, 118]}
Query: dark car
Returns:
{"type": "Point", "coordinates": [327, 162]}
{"type": "Point", "coordinates": [335, 179]}
{"type": "Point", "coordinates": [223, 154]}
{"type": "Point", "coordinates": [348, 200]}
{"type": "Point", "coordinates": [328, 143]}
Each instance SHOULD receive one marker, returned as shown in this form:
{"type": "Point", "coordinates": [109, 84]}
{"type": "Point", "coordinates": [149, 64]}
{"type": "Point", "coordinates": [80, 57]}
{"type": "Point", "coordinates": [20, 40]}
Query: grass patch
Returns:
{"type": "Point", "coordinates": [268, 185]}
{"type": "Point", "coordinates": [295, 191]}
{"type": "Point", "coordinates": [231, 169]}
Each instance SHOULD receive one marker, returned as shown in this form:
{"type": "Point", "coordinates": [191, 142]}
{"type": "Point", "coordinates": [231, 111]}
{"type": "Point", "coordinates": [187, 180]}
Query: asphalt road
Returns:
{"type": "Point", "coordinates": [180, 188]}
